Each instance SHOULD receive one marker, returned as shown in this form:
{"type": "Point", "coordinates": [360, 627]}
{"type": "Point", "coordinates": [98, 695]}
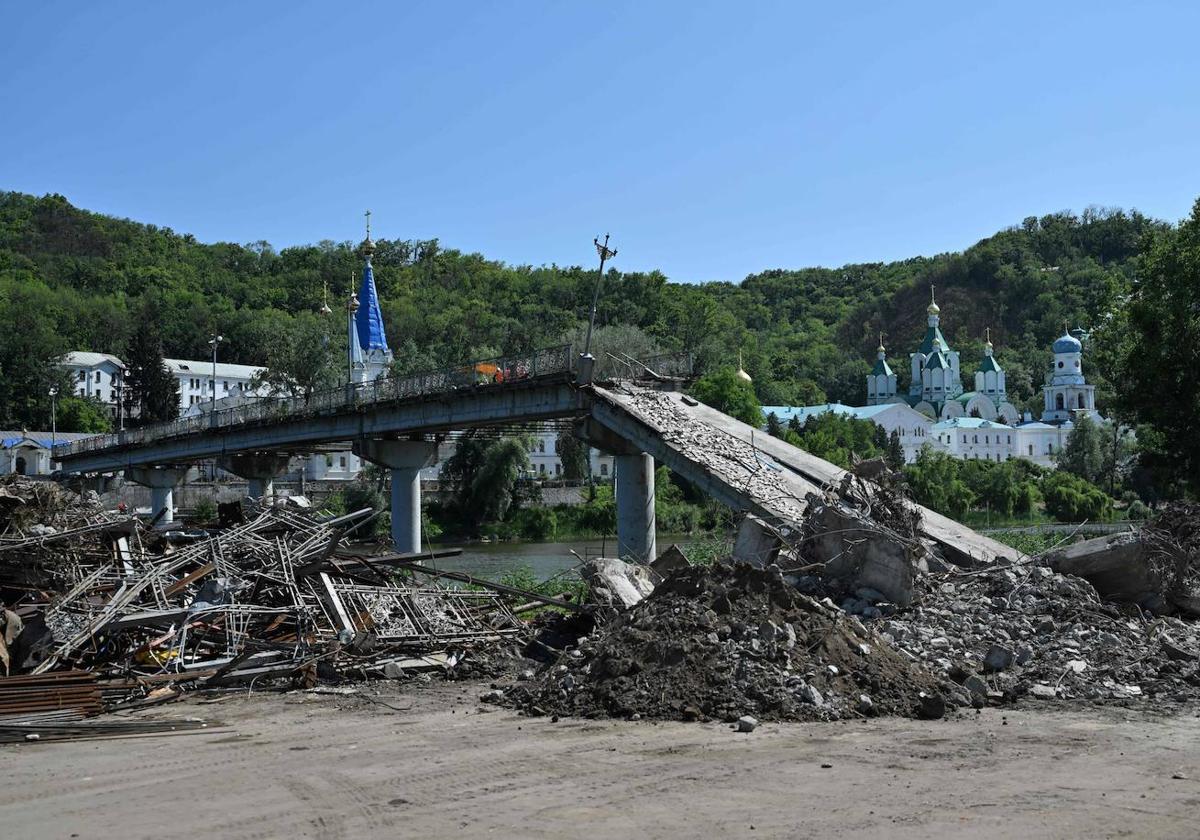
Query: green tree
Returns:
{"type": "Point", "coordinates": [573, 453]}
{"type": "Point", "coordinates": [895, 451]}
{"type": "Point", "coordinates": [614, 346]}
{"type": "Point", "coordinates": [1162, 332]}
{"type": "Point", "coordinates": [1070, 498]}
{"type": "Point", "coordinates": [774, 427]}
{"type": "Point", "coordinates": [725, 391]}
{"type": "Point", "coordinates": [836, 437]}
{"type": "Point", "coordinates": [935, 482]}
{"type": "Point", "coordinates": [29, 351]}
{"type": "Point", "coordinates": [1084, 454]}
{"type": "Point", "coordinates": [305, 359]}
{"type": "Point", "coordinates": [482, 475]}
{"type": "Point", "coordinates": [151, 392]}
{"type": "Point", "coordinates": [492, 490]}
{"type": "Point", "coordinates": [78, 414]}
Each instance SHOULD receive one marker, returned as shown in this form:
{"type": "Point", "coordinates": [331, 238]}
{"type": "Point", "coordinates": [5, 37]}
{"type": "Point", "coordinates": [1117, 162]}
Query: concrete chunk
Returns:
{"type": "Point", "coordinates": [618, 583]}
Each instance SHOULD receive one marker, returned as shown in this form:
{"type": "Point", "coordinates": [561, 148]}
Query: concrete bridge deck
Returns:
{"type": "Point", "coordinates": [393, 423]}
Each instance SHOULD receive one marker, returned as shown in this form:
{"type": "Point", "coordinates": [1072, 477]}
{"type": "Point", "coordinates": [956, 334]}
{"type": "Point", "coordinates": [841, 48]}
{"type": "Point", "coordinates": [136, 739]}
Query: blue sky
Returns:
{"type": "Point", "coordinates": [711, 139]}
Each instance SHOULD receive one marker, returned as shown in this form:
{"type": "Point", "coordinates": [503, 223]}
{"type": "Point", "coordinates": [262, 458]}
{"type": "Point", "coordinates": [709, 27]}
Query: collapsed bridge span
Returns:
{"type": "Point", "coordinates": [749, 470]}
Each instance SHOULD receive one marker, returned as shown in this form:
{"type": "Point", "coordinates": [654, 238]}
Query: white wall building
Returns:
{"type": "Point", "coordinates": [912, 426]}
{"type": "Point", "coordinates": [196, 381]}
{"type": "Point", "coordinates": [28, 453]}
{"type": "Point", "coordinates": [97, 376]}
{"type": "Point", "coordinates": [544, 461]}
{"type": "Point", "coordinates": [974, 437]}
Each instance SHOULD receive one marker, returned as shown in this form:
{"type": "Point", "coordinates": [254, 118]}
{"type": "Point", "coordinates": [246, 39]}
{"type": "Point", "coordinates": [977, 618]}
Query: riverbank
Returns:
{"type": "Point", "coordinates": [543, 560]}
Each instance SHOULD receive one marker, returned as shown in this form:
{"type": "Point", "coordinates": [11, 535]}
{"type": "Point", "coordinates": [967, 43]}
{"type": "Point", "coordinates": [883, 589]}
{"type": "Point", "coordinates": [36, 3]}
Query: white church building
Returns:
{"type": "Point", "coordinates": [980, 423]}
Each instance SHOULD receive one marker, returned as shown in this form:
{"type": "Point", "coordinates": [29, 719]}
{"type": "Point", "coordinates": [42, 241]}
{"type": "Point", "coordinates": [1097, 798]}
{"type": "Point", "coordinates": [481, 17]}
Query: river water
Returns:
{"type": "Point", "coordinates": [543, 559]}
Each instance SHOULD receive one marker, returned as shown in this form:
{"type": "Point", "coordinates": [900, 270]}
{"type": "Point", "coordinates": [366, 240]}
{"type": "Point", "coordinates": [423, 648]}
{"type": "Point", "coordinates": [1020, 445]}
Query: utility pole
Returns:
{"type": "Point", "coordinates": [587, 362]}
{"type": "Point", "coordinates": [213, 342]}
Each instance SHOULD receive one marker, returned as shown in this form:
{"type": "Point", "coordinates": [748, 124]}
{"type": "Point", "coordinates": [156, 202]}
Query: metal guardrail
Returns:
{"type": "Point", "coordinates": [483, 373]}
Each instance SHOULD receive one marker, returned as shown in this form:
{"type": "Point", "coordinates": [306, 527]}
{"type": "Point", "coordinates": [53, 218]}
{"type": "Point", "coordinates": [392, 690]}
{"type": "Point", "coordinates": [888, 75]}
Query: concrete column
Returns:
{"type": "Point", "coordinates": [634, 486]}
{"type": "Point", "coordinates": [259, 469]}
{"type": "Point", "coordinates": [162, 499]}
{"type": "Point", "coordinates": [162, 482]}
{"type": "Point", "coordinates": [635, 507]}
{"type": "Point", "coordinates": [406, 459]}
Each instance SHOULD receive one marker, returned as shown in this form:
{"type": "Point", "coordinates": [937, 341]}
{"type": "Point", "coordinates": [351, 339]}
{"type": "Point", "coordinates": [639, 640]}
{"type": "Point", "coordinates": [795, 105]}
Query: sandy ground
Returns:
{"type": "Point", "coordinates": [304, 765]}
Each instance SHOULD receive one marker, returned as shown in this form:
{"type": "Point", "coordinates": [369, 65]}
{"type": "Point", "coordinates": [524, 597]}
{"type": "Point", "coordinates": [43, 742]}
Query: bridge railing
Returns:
{"type": "Point", "coordinates": [483, 373]}
{"type": "Point", "coordinates": [675, 365]}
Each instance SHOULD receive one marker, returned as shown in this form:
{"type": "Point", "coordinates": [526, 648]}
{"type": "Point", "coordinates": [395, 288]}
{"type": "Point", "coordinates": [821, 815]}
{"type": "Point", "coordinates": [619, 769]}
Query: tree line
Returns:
{"type": "Point", "coordinates": [71, 279]}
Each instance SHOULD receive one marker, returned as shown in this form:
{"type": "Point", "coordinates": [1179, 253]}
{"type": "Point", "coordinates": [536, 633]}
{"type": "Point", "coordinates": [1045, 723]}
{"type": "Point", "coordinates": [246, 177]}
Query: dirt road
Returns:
{"type": "Point", "coordinates": [320, 766]}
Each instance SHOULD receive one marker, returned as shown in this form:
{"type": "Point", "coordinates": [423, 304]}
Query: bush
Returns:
{"type": "Point", "coordinates": [1137, 510]}
{"type": "Point", "coordinates": [1070, 498]}
{"type": "Point", "coordinates": [535, 523]}
{"type": "Point", "coordinates": [205, 510]}
{"type": "Point", "coordinates": [355, 496]}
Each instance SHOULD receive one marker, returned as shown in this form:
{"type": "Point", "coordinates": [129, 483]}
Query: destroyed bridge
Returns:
{"type": "Point", "coordinates": [397, 423]}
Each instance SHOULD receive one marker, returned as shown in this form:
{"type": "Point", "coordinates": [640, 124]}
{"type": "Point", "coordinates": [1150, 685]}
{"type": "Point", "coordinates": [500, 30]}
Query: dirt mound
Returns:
{"type": "Point", "coordinates": [727, 641]}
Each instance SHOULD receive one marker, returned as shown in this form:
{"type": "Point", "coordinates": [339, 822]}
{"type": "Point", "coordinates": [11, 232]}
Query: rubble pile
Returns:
{"type": "Point", "coordinates": [39, 508]}
{"type": "Point", "coordinates": [276, 596]}
{"type": "Point", "coordinates": [1026, 630]}
{"type": "Point", "coordinates": [726, 642]}
{"type": "Point", "coordinates": [1172, 545]}
{"type": "Point", "coordinates": [52, 529]}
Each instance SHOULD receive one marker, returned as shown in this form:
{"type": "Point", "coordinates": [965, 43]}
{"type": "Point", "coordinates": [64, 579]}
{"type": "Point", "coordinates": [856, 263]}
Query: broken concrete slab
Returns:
{"type": "Point", "coordinates": [859, 552]}
{"type": "Point", "coordinates": [757, 542]}
{"type": "Point", "coordinates": [619, 584]}
{"type": "Point", "coordinates": [1116, 565]}
{"type": "Point", "coordinates": [671, 559]}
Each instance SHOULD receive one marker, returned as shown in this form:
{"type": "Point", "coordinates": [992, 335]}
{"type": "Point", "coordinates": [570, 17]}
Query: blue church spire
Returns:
{"type": "Point", "coordinates": [369, 319]}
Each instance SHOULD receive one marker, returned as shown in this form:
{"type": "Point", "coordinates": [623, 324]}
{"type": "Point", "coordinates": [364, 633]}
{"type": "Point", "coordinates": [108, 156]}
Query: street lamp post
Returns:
{"type": "Point", "coordinates": [53, 422]}
{"type": "Point", "coordinates": [121, 402]}
{"type": "Point", "coordinates": [213, 343]}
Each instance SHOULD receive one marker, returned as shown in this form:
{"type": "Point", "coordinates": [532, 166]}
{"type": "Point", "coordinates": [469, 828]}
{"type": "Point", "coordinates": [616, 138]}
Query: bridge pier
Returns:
{"type": "Point", "coordinates": [633, 487]}
{"type": "Point", "coordinates": [259, 469]}
{"type": "Point", "coordinates": [162, 482]}
{"type": "Point", "coordinates": [406, 459]}
{"type": "Point", "coordinates": [636, 537]}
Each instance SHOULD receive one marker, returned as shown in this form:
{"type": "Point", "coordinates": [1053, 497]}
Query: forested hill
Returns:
{"type": "Point", "coordinates": [70, 279]}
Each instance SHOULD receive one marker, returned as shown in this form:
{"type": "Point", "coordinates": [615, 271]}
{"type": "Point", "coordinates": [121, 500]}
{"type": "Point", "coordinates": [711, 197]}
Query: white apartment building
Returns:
{"type": "Point", "coordinates": [97, 376]}
{"type": "Point", "coordinates": [544, 462]}
{"type": "Point", "coordinates": [196, 381]}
